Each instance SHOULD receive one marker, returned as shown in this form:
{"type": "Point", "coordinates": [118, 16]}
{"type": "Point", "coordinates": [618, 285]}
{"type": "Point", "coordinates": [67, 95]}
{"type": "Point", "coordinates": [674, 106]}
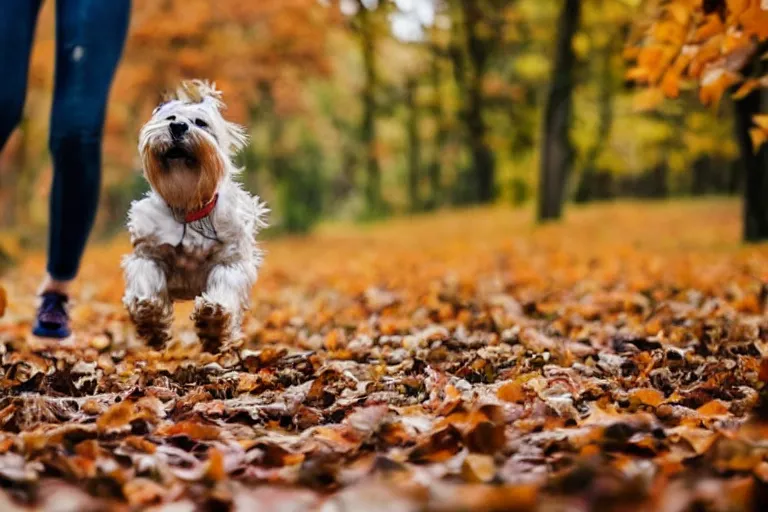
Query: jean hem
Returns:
{"type": "Point", "coordinates": [67, 276]}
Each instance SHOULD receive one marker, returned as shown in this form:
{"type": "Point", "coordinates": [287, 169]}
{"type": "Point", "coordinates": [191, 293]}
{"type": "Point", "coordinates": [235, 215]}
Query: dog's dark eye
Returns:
{"type": "Point", "coordinates": [201, 123]}
{"type": "Point", "coordinates": [170, 118]}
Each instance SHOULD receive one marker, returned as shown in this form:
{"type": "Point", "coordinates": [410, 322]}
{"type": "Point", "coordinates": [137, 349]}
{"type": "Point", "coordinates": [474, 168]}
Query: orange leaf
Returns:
{"type": "Point", "coordinates": [713, 408]}
{"type": "Point", "coordinates": [215, 471]}
{"type": "Point", "coordinates": [755, 21]}
{"type": "Point", "coordinates": [747, 87]}
{"type": "Point", "coordinates": [511, 392]}
{"type": "Point", "coordinates": [710, 28]}
{"type": "Point", "coordinates": [714, 84]}
{"type": "Point", "coordinates": [3, 301]}
{"type": "Point", "coordinates": [637, 75]}
{"type": "Point", "coordinates": [680, 13]}
{"type": "Point", "coordinates": [670, 84]}
{"type": "Point", "coordinates": [118, 415]}
{"type": "Point", "coordinates": [193, 430]}
{"type": "Point", "coordinates": [736, 8]}
{"type": "Point", "coordinates": [669, 32]}
{"type": "Point", "coordinates": [761, 120]}
{"type": "Point", "coordinates": [700, 439]}
{"type": "Point", "coordinates": [706, 53]}
{"type": "Point", "coordinates": [648, 396]}
{"type": "Point", "coordinates": [758, 137]}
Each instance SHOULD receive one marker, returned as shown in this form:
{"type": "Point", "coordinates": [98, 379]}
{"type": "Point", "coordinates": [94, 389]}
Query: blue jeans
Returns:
{"type": "Point", "coordinates": [90, 35]}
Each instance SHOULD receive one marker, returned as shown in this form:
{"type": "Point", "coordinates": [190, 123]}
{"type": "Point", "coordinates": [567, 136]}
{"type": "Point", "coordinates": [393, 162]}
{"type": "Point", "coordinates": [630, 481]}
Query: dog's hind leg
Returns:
{"type": "Point", "coordinates": [218, 311]}
{"type": "Point", "coordinates": [147, 301]}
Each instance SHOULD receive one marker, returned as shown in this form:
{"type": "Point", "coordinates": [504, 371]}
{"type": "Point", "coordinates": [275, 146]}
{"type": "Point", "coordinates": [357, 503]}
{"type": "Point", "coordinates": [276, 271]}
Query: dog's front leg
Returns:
{"type": "Point", "coordinates": [218, 311]}
{"type": "Point", "coordinates": [147, 301]}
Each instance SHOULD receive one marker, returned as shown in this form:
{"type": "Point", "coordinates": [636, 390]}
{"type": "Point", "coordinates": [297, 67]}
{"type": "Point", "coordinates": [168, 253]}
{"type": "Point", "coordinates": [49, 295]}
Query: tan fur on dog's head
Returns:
{"type": "Point", "coordinates": [187, 146]}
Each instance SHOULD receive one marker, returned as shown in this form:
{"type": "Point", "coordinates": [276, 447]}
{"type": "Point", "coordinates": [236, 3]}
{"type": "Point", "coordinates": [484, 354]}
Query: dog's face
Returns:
{"type": "Point", "coordinates": [187, 146]}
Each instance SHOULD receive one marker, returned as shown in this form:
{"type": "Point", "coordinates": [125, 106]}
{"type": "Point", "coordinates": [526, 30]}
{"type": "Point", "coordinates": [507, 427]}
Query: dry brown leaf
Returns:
{"type": "Point", "coordinates": [117, 416]}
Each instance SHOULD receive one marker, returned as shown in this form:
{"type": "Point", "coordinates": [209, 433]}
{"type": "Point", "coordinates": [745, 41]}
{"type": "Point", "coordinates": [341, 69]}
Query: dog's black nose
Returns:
{"type": "Point", "coordinates": [178, 129]}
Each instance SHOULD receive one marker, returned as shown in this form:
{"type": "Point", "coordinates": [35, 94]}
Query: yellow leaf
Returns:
{"type": "Point", "coordinates": [478, 468]}
{"type": "Point", "coordinates": [669, 32]}
{"type": "Point", "coordinates": [680, 13]}
{"type": "Point", "coordinates": [758, 137]}
{"type": "Point", "coordinates": [648, 99]}
{"type": "Point", "coordinates": [637, 75]}
{"type": "Point", "coordinates": [761, 120]}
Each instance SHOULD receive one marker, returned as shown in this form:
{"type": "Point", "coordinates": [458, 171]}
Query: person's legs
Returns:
{"type": "Point", "coordinates": [17, 29]}
{"type": "Point", "coordinates": [89, 41]}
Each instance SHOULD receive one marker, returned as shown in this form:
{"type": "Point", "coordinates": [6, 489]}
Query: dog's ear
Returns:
{"type": "Point", "coordinates": [238, 137]}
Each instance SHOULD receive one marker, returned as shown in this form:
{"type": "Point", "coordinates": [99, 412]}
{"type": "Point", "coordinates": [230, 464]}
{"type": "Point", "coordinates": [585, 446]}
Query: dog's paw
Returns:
{"type": "Point", "coordinates": [152, 318]}
{"type": "Point", "coordinates": [215, 325]}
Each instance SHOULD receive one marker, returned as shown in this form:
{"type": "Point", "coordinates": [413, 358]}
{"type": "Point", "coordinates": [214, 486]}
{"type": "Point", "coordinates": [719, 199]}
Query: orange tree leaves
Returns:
{"type": "Point", "coordinates": [708, 43]}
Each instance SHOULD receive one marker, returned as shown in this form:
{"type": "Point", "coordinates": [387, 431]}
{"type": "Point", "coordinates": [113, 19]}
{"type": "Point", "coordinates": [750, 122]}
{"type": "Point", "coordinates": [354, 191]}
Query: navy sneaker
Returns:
{"type": "Point", "coordinates": [52, 317]}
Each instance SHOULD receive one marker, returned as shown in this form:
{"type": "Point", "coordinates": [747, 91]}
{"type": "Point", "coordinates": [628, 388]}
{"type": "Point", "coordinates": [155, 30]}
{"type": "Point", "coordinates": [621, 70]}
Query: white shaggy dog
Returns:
{"type": "Point", "coordinates": [194, 234]}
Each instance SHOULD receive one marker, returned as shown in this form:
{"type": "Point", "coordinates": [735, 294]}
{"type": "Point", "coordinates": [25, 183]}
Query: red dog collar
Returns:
{"type": "Point", "coordinates": [202, 212]}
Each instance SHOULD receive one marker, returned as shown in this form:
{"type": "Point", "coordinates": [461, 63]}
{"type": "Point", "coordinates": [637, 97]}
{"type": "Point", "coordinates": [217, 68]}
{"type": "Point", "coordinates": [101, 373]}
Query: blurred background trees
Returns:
{"type": "Point", "coordinates": [363, 108]}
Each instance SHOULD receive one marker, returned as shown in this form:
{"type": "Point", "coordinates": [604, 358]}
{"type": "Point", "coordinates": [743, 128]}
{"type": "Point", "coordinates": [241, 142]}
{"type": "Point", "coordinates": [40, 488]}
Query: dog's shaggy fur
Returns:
{"type": "Point", "coordinates": [183, 249]}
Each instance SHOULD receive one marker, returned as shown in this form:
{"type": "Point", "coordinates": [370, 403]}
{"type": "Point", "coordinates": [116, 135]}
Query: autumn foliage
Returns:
{"type": "Point", "coordinates": [459, 362]}
{"type": "Point", "coordinates": [710, 44]}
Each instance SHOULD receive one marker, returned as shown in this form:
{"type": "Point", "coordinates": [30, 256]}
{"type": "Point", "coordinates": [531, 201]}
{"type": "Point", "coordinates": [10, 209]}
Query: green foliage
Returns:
{"type": "Point", "coordinates": [300, 190]}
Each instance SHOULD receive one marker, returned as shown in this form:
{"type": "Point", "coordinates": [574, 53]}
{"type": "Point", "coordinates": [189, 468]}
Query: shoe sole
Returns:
{"type": "Point", "coordinates": [58, 333]}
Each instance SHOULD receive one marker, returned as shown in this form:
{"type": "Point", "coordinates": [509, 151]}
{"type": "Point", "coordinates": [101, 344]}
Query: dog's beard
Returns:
{"type": "Point", "coordinates": [185, 174]}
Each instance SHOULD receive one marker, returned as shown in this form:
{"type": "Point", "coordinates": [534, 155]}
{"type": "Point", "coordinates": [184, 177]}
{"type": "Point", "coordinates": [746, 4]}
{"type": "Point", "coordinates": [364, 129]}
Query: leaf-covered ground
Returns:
{"type": "Point", "coordinates": [453, 362]}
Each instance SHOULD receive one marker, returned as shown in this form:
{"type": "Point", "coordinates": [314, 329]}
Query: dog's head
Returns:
{"type": "Point", "coordinates": [187, 146]}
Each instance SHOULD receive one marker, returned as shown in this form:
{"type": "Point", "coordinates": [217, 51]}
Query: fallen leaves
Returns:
{"type": "Point", "coordinates": [497, 373]}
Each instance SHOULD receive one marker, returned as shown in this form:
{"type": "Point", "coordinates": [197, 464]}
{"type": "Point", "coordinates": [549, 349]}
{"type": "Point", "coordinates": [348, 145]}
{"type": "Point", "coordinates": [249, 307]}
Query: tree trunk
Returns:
{"type": "Point", "coordinates": [478, 52]}
{"type": "Point", "coordinates": [755, 168]}
{"type": "Point", "coordinates": [441, 137]}
{"type": "Point", "coordinates": [483, 159]}
{"type": "Point", "coordinates": [368, 129]}
{"type": "Point", "coordinates": [414, 145]}
{"type": "Point", "coordinates": [557, 150]}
